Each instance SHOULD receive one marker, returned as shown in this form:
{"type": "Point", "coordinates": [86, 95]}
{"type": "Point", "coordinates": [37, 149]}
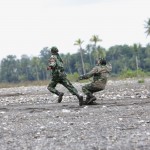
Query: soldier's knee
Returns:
{"type": "Point", "coordinates": [102, 88]}
{"type": "Point", "coordinates": [83, 88]}
{"type": "Point", "coordinates": [49, 88]}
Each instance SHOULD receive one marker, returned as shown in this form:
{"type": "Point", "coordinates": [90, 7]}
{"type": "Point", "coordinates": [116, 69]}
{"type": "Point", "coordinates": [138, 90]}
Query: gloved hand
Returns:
{"type": "Point", "coordinates": [49, 68]}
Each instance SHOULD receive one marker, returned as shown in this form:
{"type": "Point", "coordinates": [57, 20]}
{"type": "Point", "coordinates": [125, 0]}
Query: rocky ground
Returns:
{"type": "Point", "coordinates": [31, 118]}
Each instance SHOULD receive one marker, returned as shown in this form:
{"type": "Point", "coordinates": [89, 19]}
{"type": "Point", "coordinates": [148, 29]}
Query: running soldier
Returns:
{"type": "Point", "coordinates": [59, 76]}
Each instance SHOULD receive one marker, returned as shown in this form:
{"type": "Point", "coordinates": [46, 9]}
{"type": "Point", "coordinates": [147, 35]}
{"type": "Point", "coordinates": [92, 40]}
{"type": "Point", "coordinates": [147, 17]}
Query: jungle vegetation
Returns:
{"type": "Point", "coordinates": [124, 58]}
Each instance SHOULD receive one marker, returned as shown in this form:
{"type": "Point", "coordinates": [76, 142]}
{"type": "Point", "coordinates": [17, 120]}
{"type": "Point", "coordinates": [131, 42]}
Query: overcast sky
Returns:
{"type": "Point", "coordinates": [27, 26]}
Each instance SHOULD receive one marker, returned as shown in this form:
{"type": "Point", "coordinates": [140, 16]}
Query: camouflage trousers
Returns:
{"type": "Point", "coordinates": [65, 82]}
{"type": "Point", "coordinates": [92, 88]}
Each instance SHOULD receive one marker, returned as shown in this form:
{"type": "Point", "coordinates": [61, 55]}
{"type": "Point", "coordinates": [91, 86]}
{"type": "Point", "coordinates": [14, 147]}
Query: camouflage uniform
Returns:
{"type": "Point", "coordinates": [100, 74]}
{"type": "Point", "coordinates": [59, 76]}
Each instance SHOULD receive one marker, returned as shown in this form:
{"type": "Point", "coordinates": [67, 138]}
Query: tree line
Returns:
{"type": "Point", "coordinates": [122, 57]}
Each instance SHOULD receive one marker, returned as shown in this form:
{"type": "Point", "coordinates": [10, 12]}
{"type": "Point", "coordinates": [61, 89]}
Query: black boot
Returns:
{"type": "Point", "coordinates": [93, 103]}
{"type": "Point", "coordinates": [85, 103]}
{"type": "Point", "coordinates": [80, 99]}
{"type": "Point", "coordinates": [90, 98]}
{"type": "Point", "coordinates": [60, 96]}
{"type": "Point", "coordinates": [90, 103]}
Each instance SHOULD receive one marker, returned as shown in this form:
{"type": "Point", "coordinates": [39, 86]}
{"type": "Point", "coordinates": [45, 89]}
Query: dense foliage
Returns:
{"type": "Point", "coordinates": [122, 58]}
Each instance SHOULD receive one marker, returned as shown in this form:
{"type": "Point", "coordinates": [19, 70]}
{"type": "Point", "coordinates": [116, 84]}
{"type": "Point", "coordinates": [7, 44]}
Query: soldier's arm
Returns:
{"type": "Point", "coordinates": [89, 74]}
{"type": "Point", "coordinates": [52, 62]}
{"type": "Point", "coordinates": [109, 67]}
{"type": "Point", "coordinates": [105, 69]}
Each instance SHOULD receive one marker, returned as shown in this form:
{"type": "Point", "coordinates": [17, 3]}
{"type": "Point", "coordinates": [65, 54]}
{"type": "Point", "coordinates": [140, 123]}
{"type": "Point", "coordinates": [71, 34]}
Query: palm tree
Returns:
{"type": "Point", "coordinates": [36, 63]}
{"type": "Point", "coordinates": [147, 27]}
{"type": "Point", "coordinates": [136, 47]}
{"type": "Point", "coordinates": [24, 64]}
{"type": "Point", "coordinates": [95, 39]}
{"type": "Point", "coordinates": [44, 56]}
{"type": "Point", "coordinates": [79, 42]}
{"type": "Point", "coordinates": [67, 61]}
{"type": "Point", "coordinates": [78, 67]}
{"type": "Point", "coordinates": [101, 52]}
{"type": "Point", "coordinates": [89, 49]}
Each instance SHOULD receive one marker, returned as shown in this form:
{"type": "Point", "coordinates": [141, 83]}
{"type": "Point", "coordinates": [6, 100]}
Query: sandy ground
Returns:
{"type": "Point", "coordinates": [31, 118]}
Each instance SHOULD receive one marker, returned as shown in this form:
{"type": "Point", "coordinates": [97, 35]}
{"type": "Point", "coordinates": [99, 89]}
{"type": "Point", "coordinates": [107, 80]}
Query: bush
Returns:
{"type": "Point", "coordinates": [141, 81]}
{"type": "Point", "coordinates": [132, 74]}
{"type": "Point", "coordinates": [73, 77]}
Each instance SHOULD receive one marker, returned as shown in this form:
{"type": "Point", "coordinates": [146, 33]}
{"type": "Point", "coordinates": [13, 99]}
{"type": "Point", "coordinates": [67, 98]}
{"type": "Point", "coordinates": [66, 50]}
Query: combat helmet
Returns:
{"type": "Point", "coordinates": [54, 50]}
{"type": "Point", "coordinates": [102, 61]}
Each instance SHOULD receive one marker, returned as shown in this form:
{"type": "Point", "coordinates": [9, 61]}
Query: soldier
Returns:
{"type": "Point", "coordinates": [100, 74]}
{"type": "Point", "coordinates": [58, 76]}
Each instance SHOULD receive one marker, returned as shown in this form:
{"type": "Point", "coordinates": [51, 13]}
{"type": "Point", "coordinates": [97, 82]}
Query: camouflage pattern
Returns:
{"type": "Point", "coordinates": [58, 75]}
{"type": "Point", "coordinates": [65, 82]}
{"type": "Point", "coordinates": [100, 74]}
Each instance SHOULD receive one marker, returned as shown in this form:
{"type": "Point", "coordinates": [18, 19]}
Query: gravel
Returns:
{"type": "Point", "coordinates": [31, 118]}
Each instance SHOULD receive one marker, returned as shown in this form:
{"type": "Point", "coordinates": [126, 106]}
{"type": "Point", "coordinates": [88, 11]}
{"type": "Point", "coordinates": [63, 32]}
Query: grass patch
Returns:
{"type": "Point", "coordinates": [141, 81]}
{"type": "Point", "coordinates": [26, 83]}
{"type": "Point", "coordinates": [132, 74]}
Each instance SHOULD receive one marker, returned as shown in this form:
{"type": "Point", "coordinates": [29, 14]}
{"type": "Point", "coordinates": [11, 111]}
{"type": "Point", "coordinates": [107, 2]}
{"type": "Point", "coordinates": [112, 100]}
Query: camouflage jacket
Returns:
{"type": "Point", "coordinates": [99, 73]}
{"type": "Point", "coordinates": [56, 67]}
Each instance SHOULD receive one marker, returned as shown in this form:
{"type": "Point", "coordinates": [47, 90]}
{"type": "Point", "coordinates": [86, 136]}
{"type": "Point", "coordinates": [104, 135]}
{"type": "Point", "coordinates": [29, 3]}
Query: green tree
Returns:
{"type": "Point", "coordinates": [67, 61]}
{"type": "Point", "coordinates": [78, 67]}
{"type": "Point", "coordinates": [101, 52]}
{"type": "Point", "coordinates": [146, 59]}
{"type": "Point", "coordinates": [9, 69]}
{"type": "Point", "coordinates": [44, 56]}
{"type": "Point", "coordinates": [95, 39]}
{"type": "Point", "coordinates": [136, 48]}
{"type": "Point", "coordinates": [147, 27]}
{"type": "Point", "coordinates": [35, 61]}
{"type": "Point", "coordinates": [89, 50]}
{"type": "Point", "coordinates": [24, 65]}
{"type": "Point", "coordinates": [79, 42]}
